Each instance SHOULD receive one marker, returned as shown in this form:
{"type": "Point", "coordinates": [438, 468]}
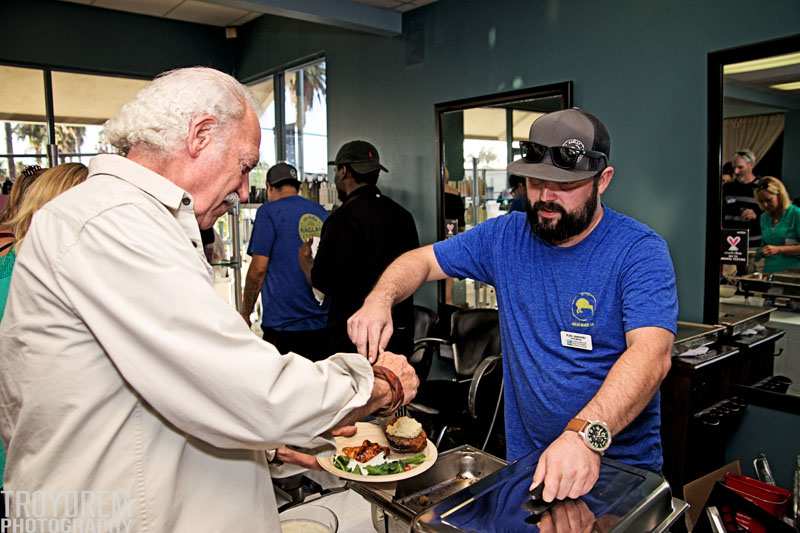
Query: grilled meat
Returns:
{"type": "Point", "coordinates": [366, 451]}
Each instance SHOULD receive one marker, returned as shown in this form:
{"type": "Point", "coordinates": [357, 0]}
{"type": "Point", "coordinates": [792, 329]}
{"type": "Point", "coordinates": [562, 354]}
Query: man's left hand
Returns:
{"type": "Point", "coordinates": [568, 468]}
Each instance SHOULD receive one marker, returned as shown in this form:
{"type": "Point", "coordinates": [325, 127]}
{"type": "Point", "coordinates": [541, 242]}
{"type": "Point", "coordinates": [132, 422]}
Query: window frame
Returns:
{"type": "Point", "coordinates": [52, 154]}
{"type": "Point", "coordinates": [278, 75]}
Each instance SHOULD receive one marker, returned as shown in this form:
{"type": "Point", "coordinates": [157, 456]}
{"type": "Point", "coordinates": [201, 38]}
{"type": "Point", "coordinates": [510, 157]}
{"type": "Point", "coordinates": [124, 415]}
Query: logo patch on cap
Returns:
{"type": "Point", "coordinates": [576, 144]}
{"type": "Point", "coordinates": [293, 173]}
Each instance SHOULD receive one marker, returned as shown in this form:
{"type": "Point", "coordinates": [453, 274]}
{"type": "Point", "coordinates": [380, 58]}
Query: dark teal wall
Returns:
{"type": "Point", "coordinates": [639, 66]}
{"type": "Point", "coordinates": [74, 36]}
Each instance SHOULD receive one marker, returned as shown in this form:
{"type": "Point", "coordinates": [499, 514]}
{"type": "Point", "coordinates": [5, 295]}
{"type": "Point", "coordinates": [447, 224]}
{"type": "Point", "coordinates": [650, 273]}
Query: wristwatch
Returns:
{"type": "Point", "coordinates": [595, 434]}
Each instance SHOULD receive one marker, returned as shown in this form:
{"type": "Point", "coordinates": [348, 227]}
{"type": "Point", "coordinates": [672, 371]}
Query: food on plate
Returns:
{"type": "Point", "coordinates": [366, 452]}
{"type": "Point", "coordinates": [378, 465]}
{"type": "Point", "coordinates": [406, 435]}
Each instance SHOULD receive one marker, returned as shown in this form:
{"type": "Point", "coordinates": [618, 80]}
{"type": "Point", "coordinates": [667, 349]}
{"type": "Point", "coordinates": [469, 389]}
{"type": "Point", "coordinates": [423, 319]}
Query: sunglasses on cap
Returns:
{"type": "Point", "coordinates": [563, 157]}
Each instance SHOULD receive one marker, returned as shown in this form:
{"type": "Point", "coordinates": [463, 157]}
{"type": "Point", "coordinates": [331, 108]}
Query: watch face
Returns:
{"type": "Point", "coordinates": [597, 437]}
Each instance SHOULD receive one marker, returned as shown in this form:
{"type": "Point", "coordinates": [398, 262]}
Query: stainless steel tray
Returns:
{"type": "Point", "coordinates": [738, 318]}
{"type": "Point", "coordinates": [625, 499]}
{"type": "Point", "coordinates": [691, 335]}
{"type": "Point", "coordinates": [454, 471]}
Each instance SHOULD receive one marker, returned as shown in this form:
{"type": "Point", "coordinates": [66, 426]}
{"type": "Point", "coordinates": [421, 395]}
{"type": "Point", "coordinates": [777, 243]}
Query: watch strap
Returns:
{"type": "Point", "coordinates": [577, 425]}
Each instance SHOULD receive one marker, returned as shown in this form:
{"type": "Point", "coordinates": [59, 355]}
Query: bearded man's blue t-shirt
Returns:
{"type": "Point", "coordinates": [619, 278]}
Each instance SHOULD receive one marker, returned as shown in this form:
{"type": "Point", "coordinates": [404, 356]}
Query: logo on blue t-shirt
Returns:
{"type": "Point", "coordinates": [583, 308]}
{"type": "Point", "coordinates": [309, 226]}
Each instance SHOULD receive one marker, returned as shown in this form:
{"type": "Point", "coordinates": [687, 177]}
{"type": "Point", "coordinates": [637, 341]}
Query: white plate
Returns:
{"type": "Point", "coordinates": [374, 433]}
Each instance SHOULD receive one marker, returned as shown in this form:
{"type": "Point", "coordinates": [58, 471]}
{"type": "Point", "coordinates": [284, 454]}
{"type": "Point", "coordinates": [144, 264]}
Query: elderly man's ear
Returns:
{"type": "Point", "coordinates": [201, 131]}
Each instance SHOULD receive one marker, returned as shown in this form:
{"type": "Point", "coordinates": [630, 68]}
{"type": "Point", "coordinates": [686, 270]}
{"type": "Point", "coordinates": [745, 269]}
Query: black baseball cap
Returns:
{"type": "Point", "coordinates": [280, 173]}
{"type": "Point", "coordinates": [572, 128]}
{"type": "Point", "coordinates": [360, 155]}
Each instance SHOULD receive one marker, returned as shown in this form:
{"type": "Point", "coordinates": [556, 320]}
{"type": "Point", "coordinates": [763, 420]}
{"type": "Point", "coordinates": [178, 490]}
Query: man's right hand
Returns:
{"type": "Point", "coordinates": [404, 371]}
{"type": "Point", "coordinates": [748, 214]}
{"type": "Point", "coordinates": [370, 328]}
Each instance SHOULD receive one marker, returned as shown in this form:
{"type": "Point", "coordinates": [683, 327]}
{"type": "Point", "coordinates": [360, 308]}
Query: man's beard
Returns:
{"type": "Point", "coordinates": [568, 225]}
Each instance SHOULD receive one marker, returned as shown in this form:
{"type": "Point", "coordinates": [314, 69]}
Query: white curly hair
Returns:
{"type": "Point", "coordinates": [160, 115]}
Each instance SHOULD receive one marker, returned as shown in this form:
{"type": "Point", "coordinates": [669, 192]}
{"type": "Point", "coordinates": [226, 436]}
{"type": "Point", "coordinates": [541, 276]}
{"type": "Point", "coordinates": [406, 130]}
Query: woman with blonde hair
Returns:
{"type": "Point", "coordinates": [780, 226]}
{"type": "Point", "coordinates": [44, 188]}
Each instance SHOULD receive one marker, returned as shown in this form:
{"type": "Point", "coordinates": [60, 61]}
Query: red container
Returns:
{"type": "Point", "coordinates": [774, 500]}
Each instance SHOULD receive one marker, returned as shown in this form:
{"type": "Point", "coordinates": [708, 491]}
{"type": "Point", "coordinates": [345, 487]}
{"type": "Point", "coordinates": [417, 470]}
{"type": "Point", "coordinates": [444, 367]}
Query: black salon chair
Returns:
{"type": "Point", "coordinates": [425, 320]}
{"type": "Point", "coordinates": [465, 391]}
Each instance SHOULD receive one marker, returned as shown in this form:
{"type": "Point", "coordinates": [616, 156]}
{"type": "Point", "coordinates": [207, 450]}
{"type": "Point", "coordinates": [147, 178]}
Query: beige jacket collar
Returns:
{"type": "Point", "coordinates": [141, 177]}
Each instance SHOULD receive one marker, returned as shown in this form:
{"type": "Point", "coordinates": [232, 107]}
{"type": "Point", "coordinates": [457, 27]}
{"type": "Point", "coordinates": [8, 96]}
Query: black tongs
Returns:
{"type": "Point", "coordinates": [535, 505]}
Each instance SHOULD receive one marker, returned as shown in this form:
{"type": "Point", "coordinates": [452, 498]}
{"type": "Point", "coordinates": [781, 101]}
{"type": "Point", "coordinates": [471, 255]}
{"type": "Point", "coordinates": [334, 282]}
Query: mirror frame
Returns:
{"type": "Point", "coordinates": [562, 89]}
{"type": "Point", "coordinates": [716, 61]}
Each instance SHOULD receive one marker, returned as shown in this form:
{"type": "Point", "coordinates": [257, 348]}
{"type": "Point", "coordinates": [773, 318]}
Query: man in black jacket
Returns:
{"type": "Point", "coordinates": [359, 240]}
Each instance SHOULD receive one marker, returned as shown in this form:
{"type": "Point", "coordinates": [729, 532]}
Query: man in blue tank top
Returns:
{"type": "Point", "coordinates": [292, 319]}
{"type": "Point", "coordinates": [587, 303]}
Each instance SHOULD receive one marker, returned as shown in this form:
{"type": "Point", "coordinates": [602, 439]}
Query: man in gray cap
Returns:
{"type": "Point", "coordinates": [358, 242]}
{"type": "Point", "coordinates": [292, 318]}
{"type": "Point", "coordinates": [587, 304]}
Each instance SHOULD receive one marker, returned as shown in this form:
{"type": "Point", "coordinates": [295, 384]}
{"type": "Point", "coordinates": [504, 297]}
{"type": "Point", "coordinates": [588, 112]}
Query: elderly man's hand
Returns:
{"type": "Point", "coordinates": [370, 328]}
{"type": "Point", "coordinates": [568, 468]}
{"type": "Point", "coordinates": [290, 456]}
{"type": "Point", "coordinates": [295, 457]}
{"type": "Point", "coordinates": [404, 371]}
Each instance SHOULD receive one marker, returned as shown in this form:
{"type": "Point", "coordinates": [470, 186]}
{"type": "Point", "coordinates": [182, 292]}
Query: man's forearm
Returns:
{"type": "Point", "coordinates": [405, 275]}
{"type": "Point", "coordinates": [252, 287]}
{"type": "Point", "coordinates": [629, 386]}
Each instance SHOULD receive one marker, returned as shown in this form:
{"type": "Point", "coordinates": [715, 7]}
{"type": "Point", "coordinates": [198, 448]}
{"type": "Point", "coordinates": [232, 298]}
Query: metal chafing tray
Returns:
{"type": "Point", "coordinates": [625, 499]}
{"type": "Point", "coordinates": [777, 285]}
{"type": "Point", "coordinates": [737, 318]}
{"type": "Point", "coordinates": [400, 503]}
{"type": "Point", "coordinates": [691, 336]}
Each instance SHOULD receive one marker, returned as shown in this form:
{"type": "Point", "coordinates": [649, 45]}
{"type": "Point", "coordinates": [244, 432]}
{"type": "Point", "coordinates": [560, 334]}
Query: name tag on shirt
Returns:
{"type": "Point", "coordinates": [580, 341]}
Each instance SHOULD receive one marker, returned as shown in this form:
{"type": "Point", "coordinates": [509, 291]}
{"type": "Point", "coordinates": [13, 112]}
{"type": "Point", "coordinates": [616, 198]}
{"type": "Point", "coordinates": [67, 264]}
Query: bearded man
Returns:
{"type": "Point", "coordinates": [587, 304]}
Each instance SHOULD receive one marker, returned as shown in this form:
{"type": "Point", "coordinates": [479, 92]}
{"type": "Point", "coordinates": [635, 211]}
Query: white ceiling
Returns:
{"type": "Point", "coordinates": [215, 14]}
{"type": "Point", "coordinates": [395, 5]}
{"type": "Point", "coordinates": [763, 79]}
{"type": "Point", "coordinates": [186, 10]}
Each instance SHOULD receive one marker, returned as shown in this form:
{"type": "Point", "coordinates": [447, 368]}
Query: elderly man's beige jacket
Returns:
{"type": "Point", "coordinates": [132, 397]}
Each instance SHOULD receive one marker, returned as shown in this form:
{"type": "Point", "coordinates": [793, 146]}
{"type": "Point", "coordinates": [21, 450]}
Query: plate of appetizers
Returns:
{"type": "Point", "coordinates": [377, 454]}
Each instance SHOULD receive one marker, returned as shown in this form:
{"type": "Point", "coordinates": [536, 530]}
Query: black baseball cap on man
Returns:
{"type": "Point", "coordinates": [564, 146]}
{"type": "Point", "coordinates": [281, 173]}
{"type": "Point", "coordinates": [360, 155]}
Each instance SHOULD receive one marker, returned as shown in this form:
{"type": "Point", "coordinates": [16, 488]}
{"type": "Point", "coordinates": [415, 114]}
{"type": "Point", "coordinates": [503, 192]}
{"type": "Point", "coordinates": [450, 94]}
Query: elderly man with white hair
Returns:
{"type": "Point", "coordinates": [124, 378]}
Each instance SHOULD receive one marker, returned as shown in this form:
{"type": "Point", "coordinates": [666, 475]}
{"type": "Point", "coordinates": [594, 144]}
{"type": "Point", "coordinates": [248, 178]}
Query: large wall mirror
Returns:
{"type": "Point", "coordinates": [477, 138]}
{"type": "Point", "coordinates": [753, 230]}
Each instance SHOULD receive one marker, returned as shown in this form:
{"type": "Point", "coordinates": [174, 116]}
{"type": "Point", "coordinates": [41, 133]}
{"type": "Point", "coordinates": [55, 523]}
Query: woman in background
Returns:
{"type": "Point", "coordinates": [47, 186]}
{"type": "Point", "coordinates": [780, 226]}
{"type": "Point", "coordinates": [21, 184]}
{"type": "Point", "coordinates": [38, 191]}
